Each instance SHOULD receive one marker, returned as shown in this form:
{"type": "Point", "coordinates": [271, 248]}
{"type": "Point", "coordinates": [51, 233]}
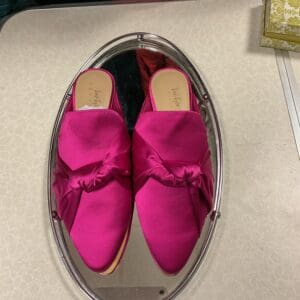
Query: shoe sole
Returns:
{"type": "Point", "coordinates": [118, 257]}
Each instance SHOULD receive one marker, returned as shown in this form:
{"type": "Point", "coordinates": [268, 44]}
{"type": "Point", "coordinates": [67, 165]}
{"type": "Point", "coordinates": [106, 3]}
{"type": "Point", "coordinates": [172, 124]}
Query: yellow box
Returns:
{"type": "Point", "coordinates": [282, 20]}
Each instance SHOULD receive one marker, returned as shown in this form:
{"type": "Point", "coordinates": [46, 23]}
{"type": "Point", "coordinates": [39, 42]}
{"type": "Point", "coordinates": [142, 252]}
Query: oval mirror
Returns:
{"type": "Point", "coordinates": [138, 277]}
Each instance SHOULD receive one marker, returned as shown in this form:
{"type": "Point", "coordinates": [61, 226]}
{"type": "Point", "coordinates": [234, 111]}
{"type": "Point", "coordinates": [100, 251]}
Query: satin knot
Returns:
{"type": "Point", "coordinates": [94, 176]}
{"type": "Point", "coordinates": [175, 173]}
{"type": "Point", "coordinates": [100, 176]}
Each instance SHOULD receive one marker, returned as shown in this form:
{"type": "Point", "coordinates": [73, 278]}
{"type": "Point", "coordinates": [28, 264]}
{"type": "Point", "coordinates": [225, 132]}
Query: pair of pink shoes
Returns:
{"type": "Point", "coordinates": [170, 166]}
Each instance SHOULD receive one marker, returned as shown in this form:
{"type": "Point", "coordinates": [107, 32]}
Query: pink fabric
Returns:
{"type": "Point", "coordinates": [92, 182]}
{"type": "Point", "coordinates": [173, 181]}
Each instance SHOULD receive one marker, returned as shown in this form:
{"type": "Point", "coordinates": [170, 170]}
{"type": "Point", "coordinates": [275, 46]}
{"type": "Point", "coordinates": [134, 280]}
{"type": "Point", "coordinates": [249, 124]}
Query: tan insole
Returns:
{"type": "Point", "coordinates": [93, 90]}
{"type": "Point", "coordinates": [116, 261]}
{"type": "Point", "coordinates": [170, 91]}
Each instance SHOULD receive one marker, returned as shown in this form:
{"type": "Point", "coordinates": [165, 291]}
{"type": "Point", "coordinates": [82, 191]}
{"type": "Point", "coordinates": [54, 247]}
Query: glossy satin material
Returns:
{"type": "Point", "coordinates": [92, 182]}
{"type": "Point", "coordinates": [173, 181]}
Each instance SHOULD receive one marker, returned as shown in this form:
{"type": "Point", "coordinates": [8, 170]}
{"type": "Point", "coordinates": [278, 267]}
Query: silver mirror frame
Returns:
{"type": "Point", "coordinates": [119, 45]}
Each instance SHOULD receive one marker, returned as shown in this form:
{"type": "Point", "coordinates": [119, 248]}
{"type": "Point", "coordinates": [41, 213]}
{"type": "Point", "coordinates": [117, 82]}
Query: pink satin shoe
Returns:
{"type": "Point", "coordinates": [92, 175]}
{"type": "Point", "coordinates": [172, 169]}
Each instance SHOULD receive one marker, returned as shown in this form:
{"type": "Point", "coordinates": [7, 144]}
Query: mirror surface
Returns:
{"type": "Point", "coordinates": [132, 60]}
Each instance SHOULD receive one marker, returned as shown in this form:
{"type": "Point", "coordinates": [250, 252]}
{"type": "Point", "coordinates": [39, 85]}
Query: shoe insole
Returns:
{"type": "Point", "coordinates": [170, 91]}
{"type": "Point", "coordinates": [93, 90]}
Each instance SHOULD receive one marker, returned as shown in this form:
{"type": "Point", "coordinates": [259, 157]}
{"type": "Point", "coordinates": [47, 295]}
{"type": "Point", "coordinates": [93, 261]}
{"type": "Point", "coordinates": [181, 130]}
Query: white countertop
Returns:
{"type": "Point", "coordinates": [256, 251]}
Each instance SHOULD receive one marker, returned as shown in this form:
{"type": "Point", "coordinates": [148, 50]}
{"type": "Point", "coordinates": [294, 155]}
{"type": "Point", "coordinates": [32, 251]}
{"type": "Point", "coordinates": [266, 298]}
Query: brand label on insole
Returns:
{"type": "Point", "coordinates": [175, 96]}
{"type": "Point", "coordinates": [95, 97]}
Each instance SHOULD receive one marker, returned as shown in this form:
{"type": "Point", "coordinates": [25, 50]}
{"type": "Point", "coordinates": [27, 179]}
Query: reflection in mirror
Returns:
{"type": "Point", "coordinates": [138, 277]}
{"type": "Point", "coordinates": [132, 71]}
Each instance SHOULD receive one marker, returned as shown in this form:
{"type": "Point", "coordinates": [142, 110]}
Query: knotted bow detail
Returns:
{"type": "Point", "coordinates": [171, 173]}
{"type": "Point", "coordinates": [92, 177]}
{"type": "Point", "coordinates": [148, 163]}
